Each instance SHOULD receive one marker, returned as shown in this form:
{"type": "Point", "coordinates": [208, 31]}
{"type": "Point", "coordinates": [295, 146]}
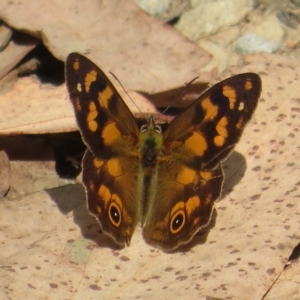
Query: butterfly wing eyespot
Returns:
{"type": "Point", "coordinates": [177, 221]}
{"type": "Point", "coordinates": [114, 214]}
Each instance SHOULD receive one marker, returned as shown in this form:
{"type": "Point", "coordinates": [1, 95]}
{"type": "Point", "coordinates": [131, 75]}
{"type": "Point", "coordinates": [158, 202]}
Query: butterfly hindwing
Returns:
{"type": "Point", "coordinates": [181, 204]}
{"type": "Point", "coordinates": [112, 194]}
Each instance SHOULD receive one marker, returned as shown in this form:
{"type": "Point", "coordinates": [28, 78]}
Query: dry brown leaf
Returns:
{"type": "Point", "coordinates": [287, 285]}
{"type": "Point", "coordinates": [13, 54]}
{"type": "Point", "coordinates": [31, 166]}
{"type": "Point", "coordinates": [143, 52]}
{"type": "Point", "coordinates": [28, 108]}
{"type": "Point", "coordinates": [5, 35]}
{"type": "Point", "coordinates": [5, 173]}
{"type": "Point", "coordinates": [256, 228]}
{"type": "Point", "coordinates": [31, 108]}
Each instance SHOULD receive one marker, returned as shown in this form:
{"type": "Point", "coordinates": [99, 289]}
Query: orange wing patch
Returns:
{"type": "Point", "coordinates": [196, 143]}
{"type": "Point", "coordinates": [248, 84]}
{"type": "Point", "coordinates": [221, 129]}
{"type": "Point", "coordinates": [230, 93]}
{"type": "Point", "coordinates": [209, 108]}
{"type": "Point", "coordinates": [104, 96]}
{"type": "Point", "coordinates": [91, 117]}
{"type": "Point", "coordinates": [89, 79]}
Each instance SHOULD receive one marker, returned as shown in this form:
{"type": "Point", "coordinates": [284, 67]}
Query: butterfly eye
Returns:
{"type": "Point", "coordinates": [114, 214]}
{"type": "Point", "coordinates": [157, 128]}
{"type": "Point", "coordinates": [144, 128]}
{"type": "Point", "coordinates": [177, 221]}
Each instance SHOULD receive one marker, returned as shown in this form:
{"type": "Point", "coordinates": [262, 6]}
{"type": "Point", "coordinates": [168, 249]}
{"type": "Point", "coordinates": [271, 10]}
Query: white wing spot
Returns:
{"type": "Point", "coordinates": [241, 106]}
{"type": "Point", "coordinates": [79, 87]}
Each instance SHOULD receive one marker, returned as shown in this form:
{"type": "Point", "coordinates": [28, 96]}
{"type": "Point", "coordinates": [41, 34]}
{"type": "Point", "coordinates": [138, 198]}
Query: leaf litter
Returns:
{"type": "Point", "coordinates": [51, 246]}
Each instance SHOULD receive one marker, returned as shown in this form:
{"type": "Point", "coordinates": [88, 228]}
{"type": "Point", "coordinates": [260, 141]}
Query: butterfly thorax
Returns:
{"type": "Point", "coordinates": [150, 146]}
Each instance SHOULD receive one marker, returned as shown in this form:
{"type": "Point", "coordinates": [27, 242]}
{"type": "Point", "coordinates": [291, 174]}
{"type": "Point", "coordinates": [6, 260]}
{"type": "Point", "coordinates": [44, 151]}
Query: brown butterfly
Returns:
{"type": "Point", "coordinates": [166, 181]}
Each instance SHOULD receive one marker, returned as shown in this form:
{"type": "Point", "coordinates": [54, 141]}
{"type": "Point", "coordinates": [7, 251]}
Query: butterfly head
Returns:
{"type": "Point", "coordinates": [150, 144]}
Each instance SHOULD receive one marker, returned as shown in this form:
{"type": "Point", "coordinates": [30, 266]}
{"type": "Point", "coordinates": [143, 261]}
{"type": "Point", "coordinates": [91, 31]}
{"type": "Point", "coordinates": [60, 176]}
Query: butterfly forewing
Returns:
{"type": "Point", "coordinates": [107, 125]}
{"type": "Point", "coordinates": [206, 132]}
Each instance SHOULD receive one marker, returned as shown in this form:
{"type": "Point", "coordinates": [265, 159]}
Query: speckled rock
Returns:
{"type": "Point", "coordinates": [209, 17]}
{"type": "Point", "coordinates": [264, 35]}
{"type": "Point", "coordinates": [165, 10]}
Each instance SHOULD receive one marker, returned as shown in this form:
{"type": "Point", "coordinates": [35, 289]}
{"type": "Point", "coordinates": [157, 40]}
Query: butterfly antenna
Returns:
{"type": "Point", "coordinates": [125, 91]}
{"type": "Point", "coordinates": [180, 95]}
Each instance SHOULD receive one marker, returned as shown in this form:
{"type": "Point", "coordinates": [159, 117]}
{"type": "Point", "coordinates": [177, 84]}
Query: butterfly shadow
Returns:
{"type": "Point", "coordinates": [200, 237]}
{"type": "Point", "coordinates": [234, 168]}
{"type": "Point", "coordinates": [178, 98]}
{"type": "Point", "coordinates": [72, 198]}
